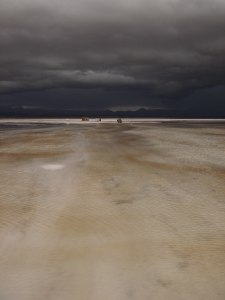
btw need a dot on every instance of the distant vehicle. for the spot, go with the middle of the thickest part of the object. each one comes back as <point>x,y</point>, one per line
<point>84,119</point>
<point>119,120</point>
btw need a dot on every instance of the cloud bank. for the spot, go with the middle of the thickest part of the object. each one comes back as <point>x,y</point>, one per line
<point>168,48</point>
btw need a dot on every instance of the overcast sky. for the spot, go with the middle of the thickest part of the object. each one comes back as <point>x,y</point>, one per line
<point>97,54</point>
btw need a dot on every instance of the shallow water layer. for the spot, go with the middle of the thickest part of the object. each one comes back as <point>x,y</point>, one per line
<point>112,211</point>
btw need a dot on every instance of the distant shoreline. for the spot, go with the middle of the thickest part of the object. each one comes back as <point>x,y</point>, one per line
<point>105,120</point>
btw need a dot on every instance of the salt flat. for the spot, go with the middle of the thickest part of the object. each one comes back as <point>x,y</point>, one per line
<point>112,211</point>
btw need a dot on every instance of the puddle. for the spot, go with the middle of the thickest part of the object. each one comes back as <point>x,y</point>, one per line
<point>52,167</point>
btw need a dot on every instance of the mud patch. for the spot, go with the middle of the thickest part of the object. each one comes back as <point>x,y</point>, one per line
<point>123,201</point>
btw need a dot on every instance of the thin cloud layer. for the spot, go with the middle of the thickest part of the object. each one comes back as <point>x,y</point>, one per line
<point>169,48</point>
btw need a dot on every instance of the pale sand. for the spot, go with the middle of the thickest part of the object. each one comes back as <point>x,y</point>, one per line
<point>110,211</point>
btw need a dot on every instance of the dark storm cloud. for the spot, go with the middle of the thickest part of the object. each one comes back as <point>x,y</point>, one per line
<point>166,48</point>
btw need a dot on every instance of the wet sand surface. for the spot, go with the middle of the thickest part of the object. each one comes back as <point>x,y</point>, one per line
<point>112,211</point>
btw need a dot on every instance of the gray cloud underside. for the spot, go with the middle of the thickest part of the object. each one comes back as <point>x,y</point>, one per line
<point>169,47</point>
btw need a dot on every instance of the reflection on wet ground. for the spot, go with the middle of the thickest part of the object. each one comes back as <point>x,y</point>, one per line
<point>112,211</point>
